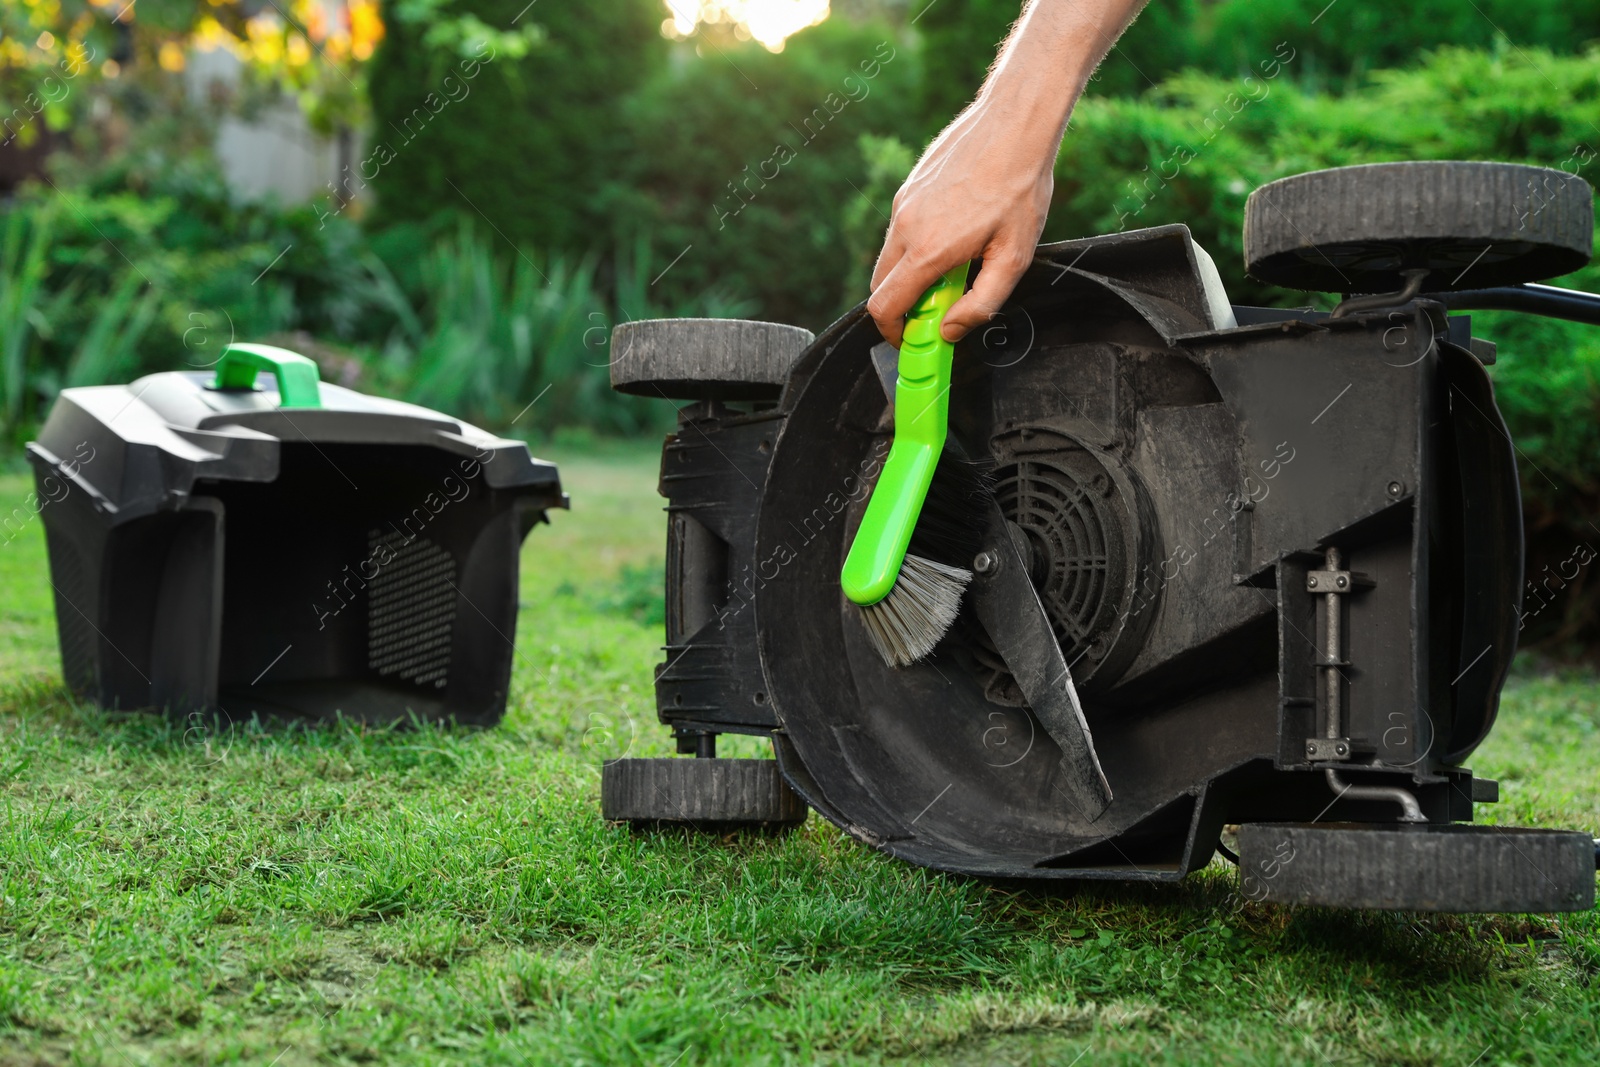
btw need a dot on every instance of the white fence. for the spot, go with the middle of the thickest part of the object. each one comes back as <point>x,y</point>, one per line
<point>275,153</point>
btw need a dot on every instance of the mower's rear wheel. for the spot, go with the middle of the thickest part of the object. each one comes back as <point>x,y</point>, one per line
<point>705,359</point>
<point>1470,225</point>
<point>713,794</point>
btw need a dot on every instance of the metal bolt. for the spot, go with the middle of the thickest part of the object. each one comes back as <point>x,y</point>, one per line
<point>1395,489</point>
<point>1312,583</point>
<point>1341,750</point>
<point>983,563</point>
<point>1341,581</point>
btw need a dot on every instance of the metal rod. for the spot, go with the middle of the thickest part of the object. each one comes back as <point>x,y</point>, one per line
<point>1551,301</point>
<point>1411,811</point>
<point>1331,676</point>
<point>1413,286</point>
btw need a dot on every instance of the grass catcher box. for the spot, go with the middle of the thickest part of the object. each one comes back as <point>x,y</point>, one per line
<point>283,548</point>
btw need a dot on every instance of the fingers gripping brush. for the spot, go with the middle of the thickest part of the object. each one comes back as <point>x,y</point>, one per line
<point>908,599</point>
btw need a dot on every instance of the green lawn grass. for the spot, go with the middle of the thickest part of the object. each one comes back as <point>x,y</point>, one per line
<point>171,893</point>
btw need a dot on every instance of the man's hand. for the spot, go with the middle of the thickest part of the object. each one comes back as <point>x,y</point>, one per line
<point>979,191</point>
<point>983,187</point>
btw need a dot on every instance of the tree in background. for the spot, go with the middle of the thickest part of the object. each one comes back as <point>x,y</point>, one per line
<point>46,52</point>
<point>743,161</point>
<point>509,112</point>
<point>53,51</point>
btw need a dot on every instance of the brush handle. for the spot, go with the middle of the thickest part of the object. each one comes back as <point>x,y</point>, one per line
<point>921,414</point>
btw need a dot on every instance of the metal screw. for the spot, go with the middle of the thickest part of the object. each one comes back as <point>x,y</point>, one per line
<point>1395,489</point>
<point>1312,583</point>
<point>983,563</point>
<point>1341,581</point>
<point>1341,750</point>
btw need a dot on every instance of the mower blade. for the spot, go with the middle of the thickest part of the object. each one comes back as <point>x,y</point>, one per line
<point>1009,609</point>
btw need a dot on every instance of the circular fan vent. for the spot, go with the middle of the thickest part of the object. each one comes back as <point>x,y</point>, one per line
<point>1064,505</point>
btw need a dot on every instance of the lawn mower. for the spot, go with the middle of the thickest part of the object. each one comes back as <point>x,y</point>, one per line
<point>1258,567</point>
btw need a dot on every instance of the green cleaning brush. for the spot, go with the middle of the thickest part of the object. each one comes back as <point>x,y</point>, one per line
<point>909,601</point>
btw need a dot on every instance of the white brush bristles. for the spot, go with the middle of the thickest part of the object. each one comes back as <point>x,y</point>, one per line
<point>919,610</point>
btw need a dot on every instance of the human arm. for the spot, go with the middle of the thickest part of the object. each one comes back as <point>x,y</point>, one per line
<point>983,187</point>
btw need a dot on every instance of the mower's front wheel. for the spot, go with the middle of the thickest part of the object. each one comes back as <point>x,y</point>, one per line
<point>705,359</point>
<point>712,794</point>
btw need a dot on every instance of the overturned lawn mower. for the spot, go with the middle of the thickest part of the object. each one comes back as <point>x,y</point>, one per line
<point>1264,566</point>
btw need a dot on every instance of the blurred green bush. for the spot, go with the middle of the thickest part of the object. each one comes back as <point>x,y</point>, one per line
<point>743,163</point>
<point>102,285</point>
<point>105,288</point>
<point>526,132</point>
<point>731,161</point>
<point>523,341</point>
<point>1341,42</point>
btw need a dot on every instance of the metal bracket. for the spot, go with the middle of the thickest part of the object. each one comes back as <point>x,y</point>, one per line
<point>1327,748</point>
<point>1335,582</point>
<point>1327,581</point>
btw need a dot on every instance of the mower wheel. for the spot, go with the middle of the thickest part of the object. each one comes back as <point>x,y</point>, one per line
<point>1470,225</point>
<point>714,794</point>
<point>1400,867</point>
<point>705,359</point>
